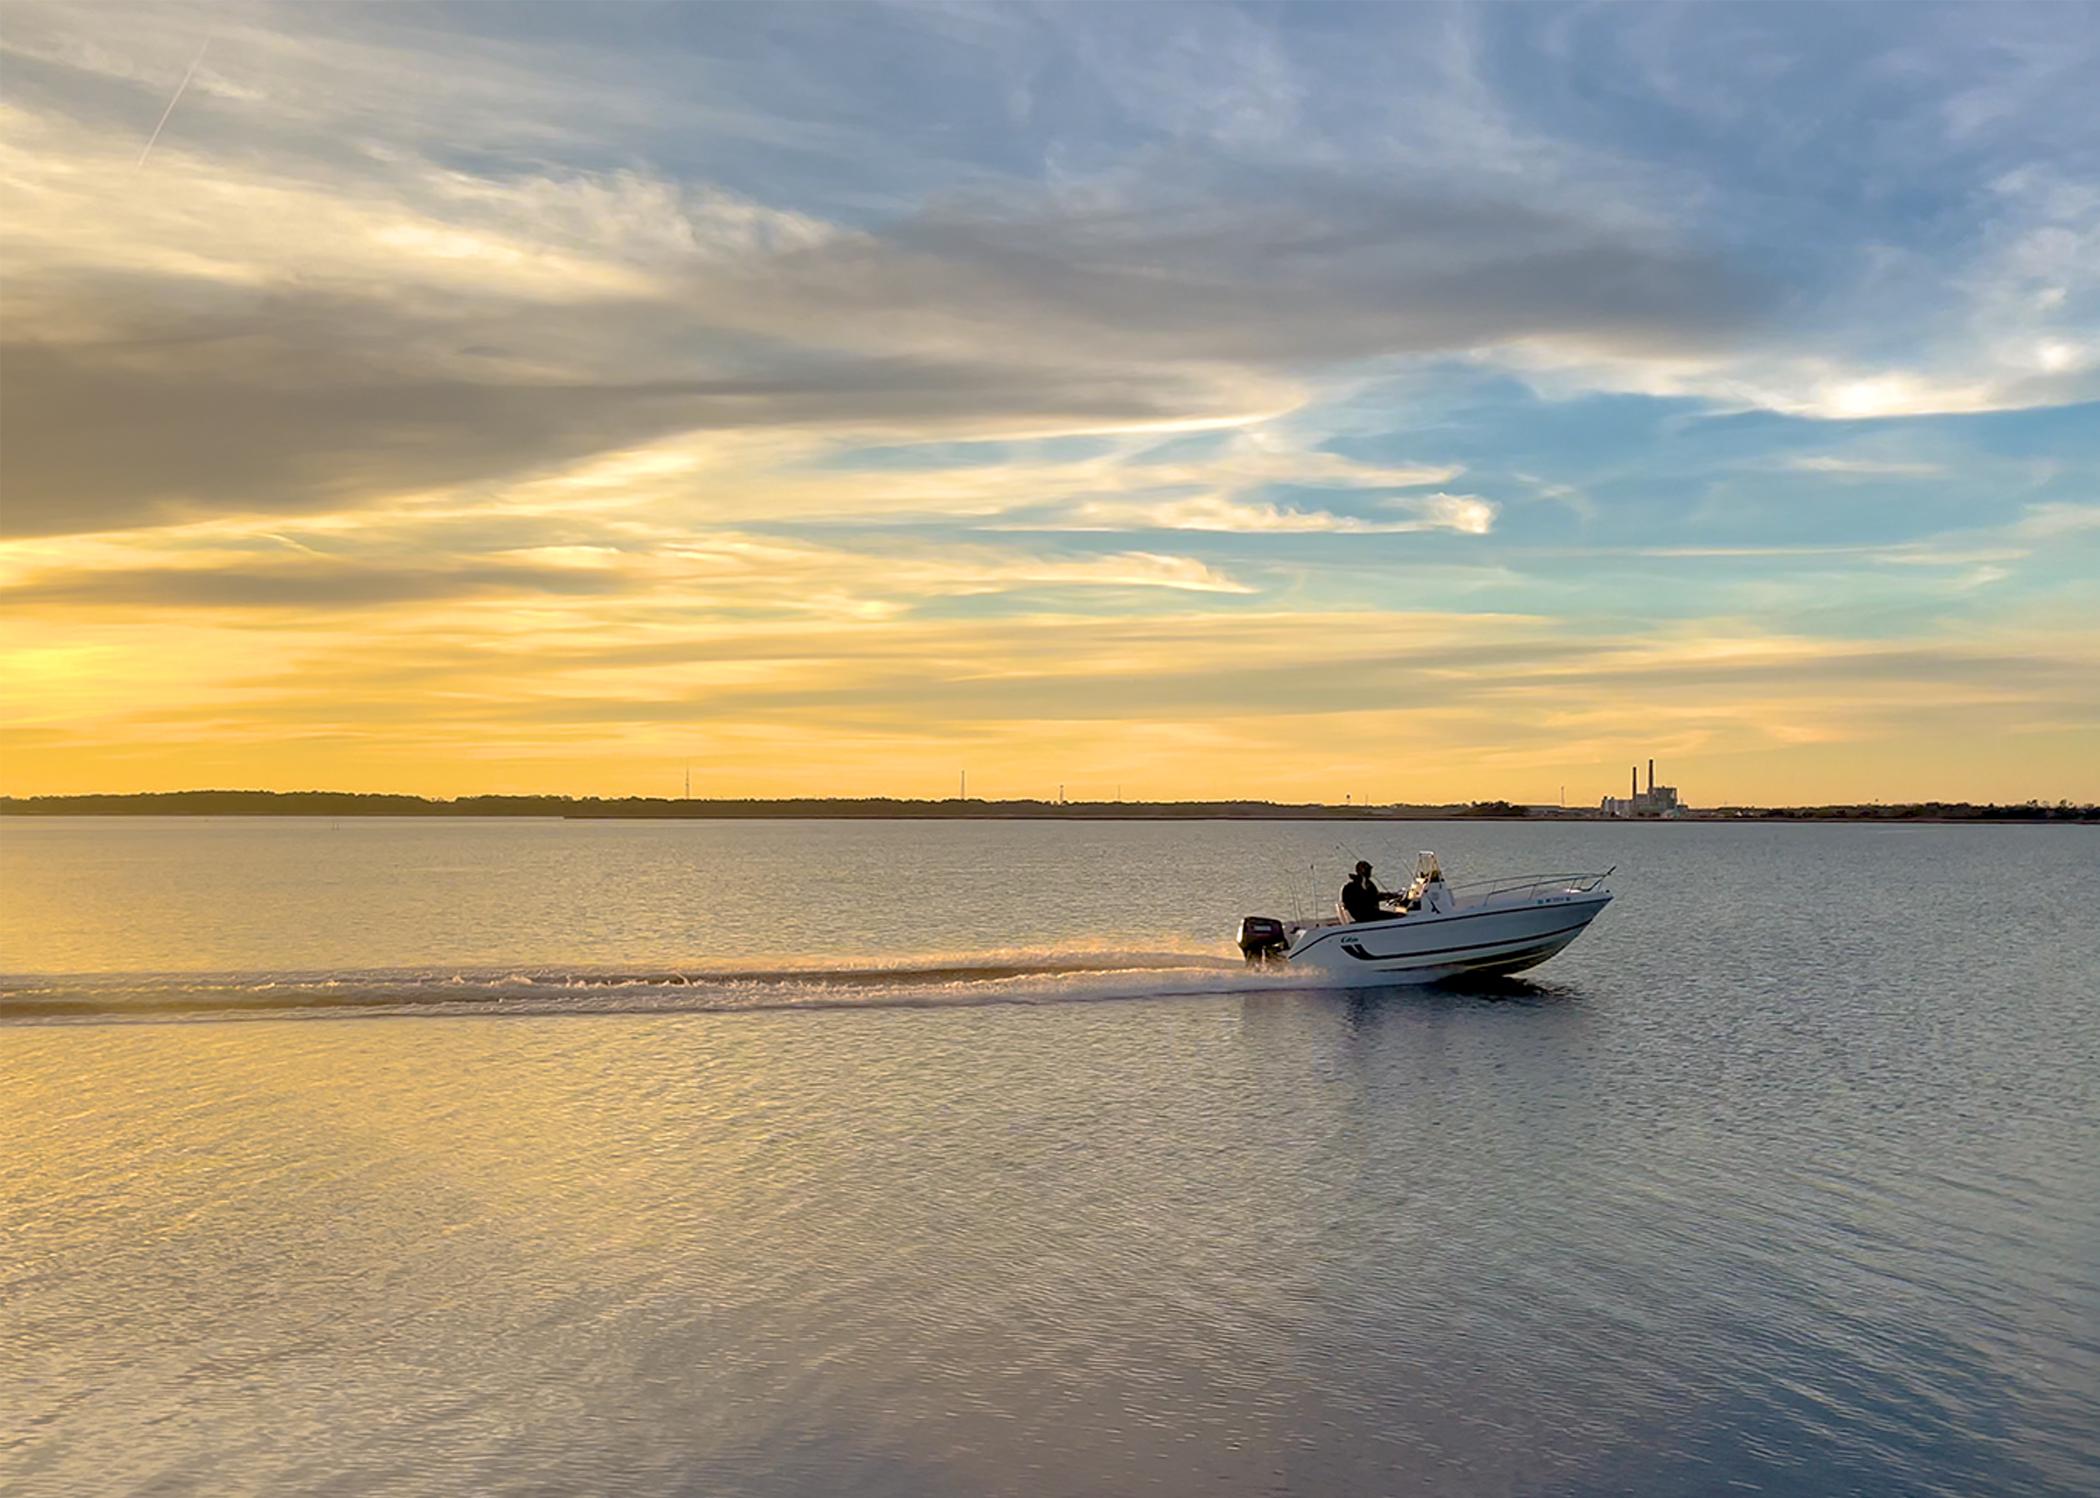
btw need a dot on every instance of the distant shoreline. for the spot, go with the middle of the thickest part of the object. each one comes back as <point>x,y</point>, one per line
<point>640,808</point>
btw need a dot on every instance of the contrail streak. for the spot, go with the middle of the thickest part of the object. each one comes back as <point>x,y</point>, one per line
<point>177,99</point>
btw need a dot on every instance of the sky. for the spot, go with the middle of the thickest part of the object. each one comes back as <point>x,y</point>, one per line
<point>1293,402</point>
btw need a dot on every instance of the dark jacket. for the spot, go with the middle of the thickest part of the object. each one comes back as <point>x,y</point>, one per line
<point>1360,898</point>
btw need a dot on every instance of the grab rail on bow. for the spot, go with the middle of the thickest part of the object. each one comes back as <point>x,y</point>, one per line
<point>1483,889</point>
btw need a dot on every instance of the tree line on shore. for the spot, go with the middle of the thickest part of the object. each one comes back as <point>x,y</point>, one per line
<point>376,804</point>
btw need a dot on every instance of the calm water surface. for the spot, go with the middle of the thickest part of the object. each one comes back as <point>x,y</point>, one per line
<point>720,1158</point>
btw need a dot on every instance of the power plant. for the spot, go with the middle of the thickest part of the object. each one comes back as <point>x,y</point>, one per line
<point>1656,801</point>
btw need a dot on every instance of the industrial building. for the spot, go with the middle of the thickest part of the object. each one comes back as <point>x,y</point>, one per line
<point>1656,801</point>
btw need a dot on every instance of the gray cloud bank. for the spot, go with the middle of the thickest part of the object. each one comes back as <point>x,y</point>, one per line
<point>114,434</point>
<point>304,587</point>
<point>1268,269</point>
<point>209,352</point>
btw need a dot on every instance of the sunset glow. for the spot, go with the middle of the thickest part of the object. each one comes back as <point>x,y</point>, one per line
<point>1165,403</point>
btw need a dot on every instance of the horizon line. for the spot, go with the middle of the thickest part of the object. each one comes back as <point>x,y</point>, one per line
<point>10,800</point>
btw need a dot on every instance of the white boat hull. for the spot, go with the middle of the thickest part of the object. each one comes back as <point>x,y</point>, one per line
<point>1423,947</point>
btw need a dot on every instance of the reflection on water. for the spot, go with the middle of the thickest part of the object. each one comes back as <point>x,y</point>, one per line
<point>1786,1194</point>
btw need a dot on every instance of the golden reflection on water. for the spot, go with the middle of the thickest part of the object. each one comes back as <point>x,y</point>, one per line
<point>473,1120</point>
<point>1664,1222</point>
<point>382,1205</point>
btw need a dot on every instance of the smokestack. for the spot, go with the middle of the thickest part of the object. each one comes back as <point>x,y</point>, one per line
<point>1651,777</point>
<point>1636,781</point>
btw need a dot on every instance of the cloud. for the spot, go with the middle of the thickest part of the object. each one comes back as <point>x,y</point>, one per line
<point>272,333</point>
<point>307,588</point>
<point>2008,320</point>
<point>1130,483</point>
<point>2054,521</point>
<point>287,416</point>
<point>718,575</point>
<point>1862,467</point>
<point>1816,386</point>
<point>1263,269</point>
<point>1466,514</point>
<point>289,420</point>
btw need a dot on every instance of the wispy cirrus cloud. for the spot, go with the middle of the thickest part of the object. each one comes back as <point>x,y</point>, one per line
<point>1868,468</point>
<point>1466,514</point>
<point>718,574</point>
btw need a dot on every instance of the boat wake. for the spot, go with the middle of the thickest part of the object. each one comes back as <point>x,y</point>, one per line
<point>921,982</point>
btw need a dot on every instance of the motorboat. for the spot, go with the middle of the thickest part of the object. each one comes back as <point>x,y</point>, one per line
<point>1438,930</point>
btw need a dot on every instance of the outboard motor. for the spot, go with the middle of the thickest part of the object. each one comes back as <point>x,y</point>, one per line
<point>1262,940</point>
